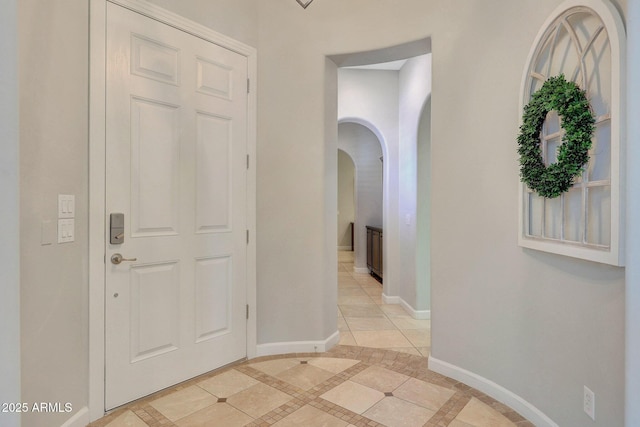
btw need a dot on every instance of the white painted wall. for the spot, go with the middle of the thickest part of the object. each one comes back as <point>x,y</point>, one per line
<point>364,148</point>
<point>414,89</point>
<point>9,215</point>
<point>346,198</point>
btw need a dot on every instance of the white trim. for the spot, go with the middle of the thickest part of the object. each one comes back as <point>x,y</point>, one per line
<point>416,314</point>
<point>97,126</point>
<point>361,270</point>
<point>97,78</point>
<point>617,39</point>
<point>287,347</point>
<point>79,419</point>
<point>496,391</point>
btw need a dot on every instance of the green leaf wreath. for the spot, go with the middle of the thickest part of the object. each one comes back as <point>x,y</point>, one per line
<point>572,106</point>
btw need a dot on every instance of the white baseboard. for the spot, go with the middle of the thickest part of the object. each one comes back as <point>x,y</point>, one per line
<point>416,314</point>
<point>361,270</point>
<point>79,419</point>
<point>390,300</point>
<point>271,349</point>
<point>496,391</point>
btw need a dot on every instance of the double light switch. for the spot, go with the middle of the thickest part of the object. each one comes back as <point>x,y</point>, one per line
<point>66,218</point>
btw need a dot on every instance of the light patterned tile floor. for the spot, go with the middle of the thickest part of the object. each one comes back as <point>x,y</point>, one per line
<point>387,384</point>
<point>364,320</point>
<point>345,387</point>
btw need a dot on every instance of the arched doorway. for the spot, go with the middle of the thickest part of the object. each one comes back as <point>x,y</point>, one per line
<point>346,201</point>
<point>362,146</point>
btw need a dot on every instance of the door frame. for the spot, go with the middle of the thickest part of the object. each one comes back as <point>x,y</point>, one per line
<point>97,178</point>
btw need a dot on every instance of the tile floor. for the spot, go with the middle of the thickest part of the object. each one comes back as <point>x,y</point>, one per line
<point>364,320</point>
<point>377,377</point>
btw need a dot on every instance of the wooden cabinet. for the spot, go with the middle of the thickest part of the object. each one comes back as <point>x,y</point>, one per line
<point>374,251</point>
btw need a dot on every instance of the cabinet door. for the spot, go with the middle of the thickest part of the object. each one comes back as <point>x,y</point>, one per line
<point>375,252</point>
<point>381,257</point>
<point>369,248</point>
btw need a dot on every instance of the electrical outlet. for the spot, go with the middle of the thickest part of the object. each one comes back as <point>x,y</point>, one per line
<point>589,403</point>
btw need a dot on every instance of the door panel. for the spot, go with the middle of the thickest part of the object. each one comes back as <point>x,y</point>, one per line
<point>155,168</point>
<point>176,168</point>
<point>213,294</point>
<point>213,192</point>
<point>153,327</point>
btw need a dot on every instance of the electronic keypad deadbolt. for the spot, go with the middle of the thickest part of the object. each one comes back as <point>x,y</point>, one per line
<point>117,229</point>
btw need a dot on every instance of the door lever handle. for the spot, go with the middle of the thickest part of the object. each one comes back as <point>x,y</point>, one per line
<point>118,258</point>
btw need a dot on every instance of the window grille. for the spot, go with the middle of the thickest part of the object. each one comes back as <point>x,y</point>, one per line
<point>582,40</point>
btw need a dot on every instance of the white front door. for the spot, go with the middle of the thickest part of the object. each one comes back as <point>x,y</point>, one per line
<point>176,146</point>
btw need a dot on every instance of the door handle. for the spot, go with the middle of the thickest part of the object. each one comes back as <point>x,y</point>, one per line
<point>118,258</point>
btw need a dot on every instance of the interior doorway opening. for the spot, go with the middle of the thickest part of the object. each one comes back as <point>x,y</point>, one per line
<point>389,100</point>
<point>346,201</point>
<point>391,103</point>
<point>360,145</point>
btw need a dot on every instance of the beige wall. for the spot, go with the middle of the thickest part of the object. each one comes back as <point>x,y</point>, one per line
<point>540,325</point>
<point>365,150</point>
<point>415,88</point>
<point>233,18</point>
<point>423,208</point>
<point>9,214</point>
<point>53,61</point>
<point>346,198</point>
<point>53,92</point>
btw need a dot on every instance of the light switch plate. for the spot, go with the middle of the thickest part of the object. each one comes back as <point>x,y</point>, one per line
<point>66,206</point>
<point>66,230</point>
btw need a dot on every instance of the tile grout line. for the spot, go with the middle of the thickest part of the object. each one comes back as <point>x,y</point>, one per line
<point>402,363</point>
<point>312,397</point>
<point>385,315</point>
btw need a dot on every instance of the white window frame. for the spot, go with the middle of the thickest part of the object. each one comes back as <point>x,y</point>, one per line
<point>614,253</point>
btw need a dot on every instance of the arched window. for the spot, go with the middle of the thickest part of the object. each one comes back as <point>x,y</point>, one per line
<point>584,40</point>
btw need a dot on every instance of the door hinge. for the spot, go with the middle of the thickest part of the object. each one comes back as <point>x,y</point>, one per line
<point>247,311</point>
<point>247,237</point>
<point>248,86</point>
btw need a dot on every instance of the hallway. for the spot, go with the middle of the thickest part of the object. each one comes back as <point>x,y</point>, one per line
<point>376,377</point>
